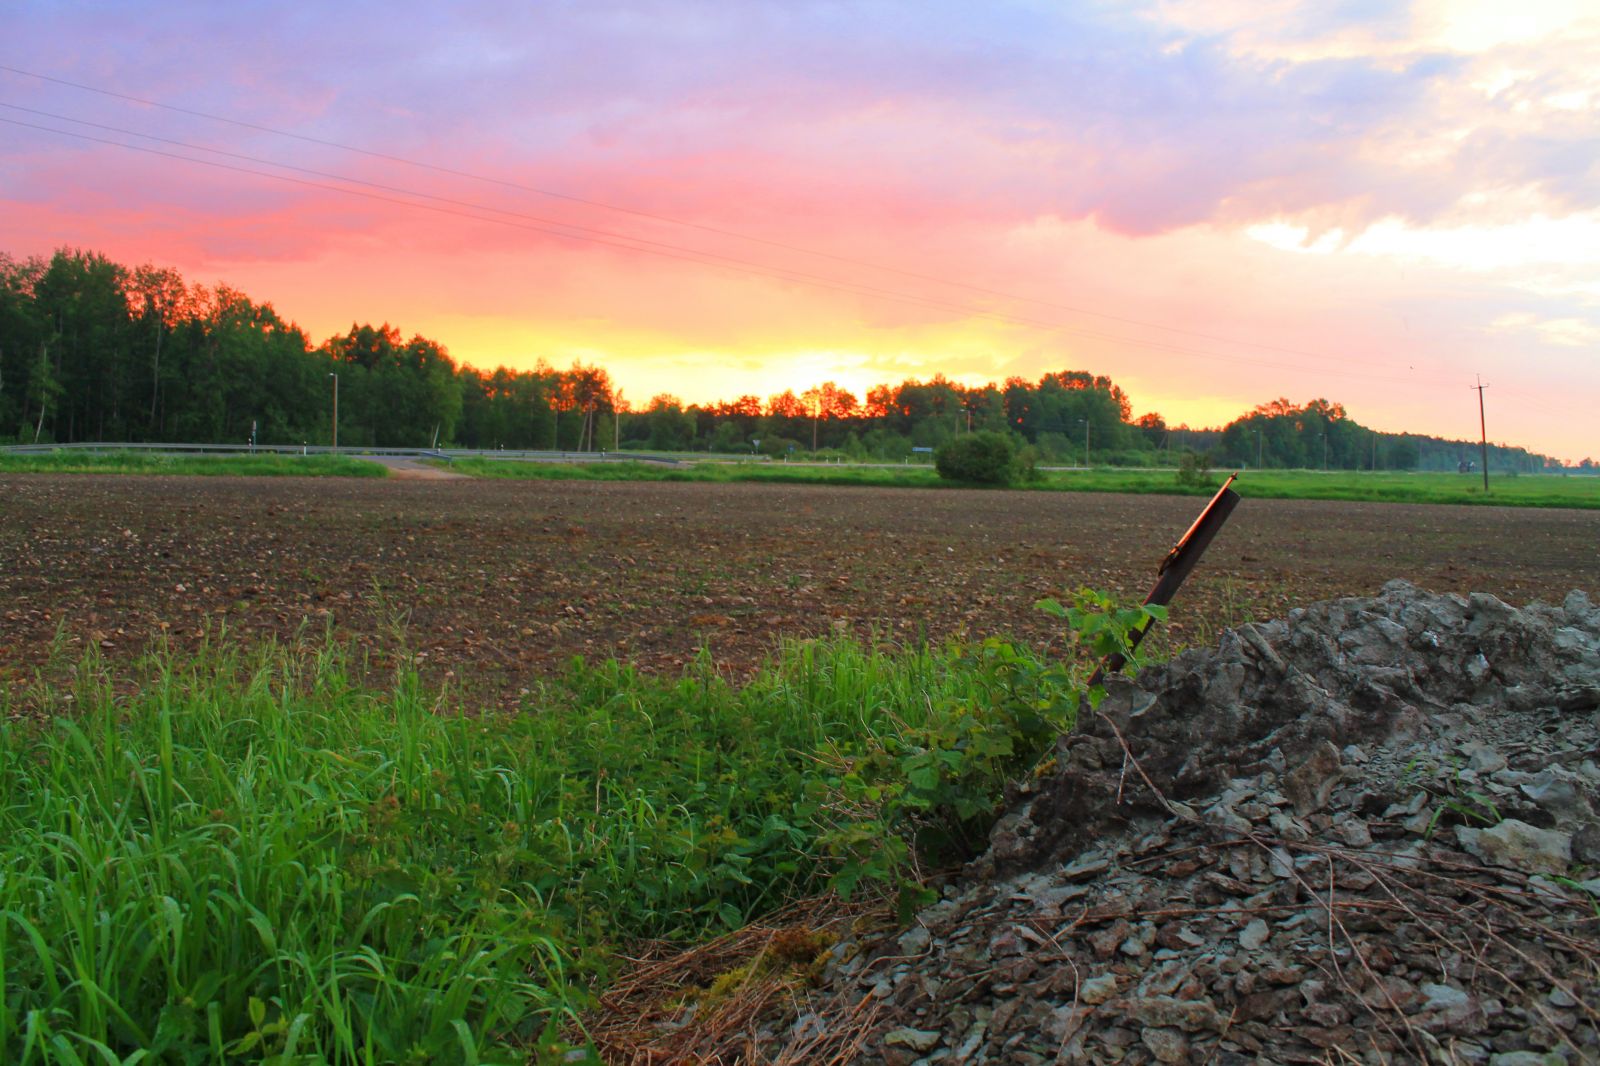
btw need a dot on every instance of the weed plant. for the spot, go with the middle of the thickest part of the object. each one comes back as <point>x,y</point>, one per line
<point>247,856</point>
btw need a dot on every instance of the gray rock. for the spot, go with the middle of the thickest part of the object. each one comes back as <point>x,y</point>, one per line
<point>972,1042</point>
<point>1353,831</point>
<point>1254,935</point>
<point>1443,997</point>
<point>1190,1015</point>
<point>1223,816</point>
<point>1183,810</point>
<point>1167,1045</point>
<point>1085,868</point>
<point>920,1040</point>
<point>1310,784</point>
<point>1586,843</point>
<point>1527,1058</point>
<point>1557,795</point>
<point>1408,808</point>
<point>915,941</point>
<point>1097,989</point>
<point>1519,846</point>
<point>1289,828</point>
<point>1063,1022</point>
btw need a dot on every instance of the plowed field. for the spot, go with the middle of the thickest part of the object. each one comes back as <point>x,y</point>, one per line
<point>496,583</point>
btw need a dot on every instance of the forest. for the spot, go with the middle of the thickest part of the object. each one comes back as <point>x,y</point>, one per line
<point>92,350</point>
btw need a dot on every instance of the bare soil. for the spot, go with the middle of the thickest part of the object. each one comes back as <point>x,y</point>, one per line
<point>497,583</point>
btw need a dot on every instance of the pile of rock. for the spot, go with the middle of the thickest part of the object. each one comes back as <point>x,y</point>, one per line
<point>1364,833</point>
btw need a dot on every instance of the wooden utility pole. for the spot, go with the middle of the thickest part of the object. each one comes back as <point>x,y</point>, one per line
<point>335,378</point>
<point>1483,433</point>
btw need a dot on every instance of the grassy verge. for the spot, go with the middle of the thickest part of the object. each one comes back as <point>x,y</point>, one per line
<point>251,856</point>
<point>261,465</point>
<point>772,473</point>
<point>1386,487</point>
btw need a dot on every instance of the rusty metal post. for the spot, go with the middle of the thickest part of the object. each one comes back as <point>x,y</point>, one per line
<point>1176,567</point>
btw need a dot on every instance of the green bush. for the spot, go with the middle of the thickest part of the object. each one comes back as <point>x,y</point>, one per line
<point>1194,470</point>
<point>984,458</point>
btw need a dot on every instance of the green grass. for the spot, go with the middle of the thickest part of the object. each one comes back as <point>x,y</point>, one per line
<point>1527,490</point>
<point>139,462</point>
<point>249,855</point>
<point>1387,487</point>
<point>767,472</point>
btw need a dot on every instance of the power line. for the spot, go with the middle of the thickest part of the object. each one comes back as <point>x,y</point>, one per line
<point>657,217</point>
<point>556,229</point>
<point>573,231</point>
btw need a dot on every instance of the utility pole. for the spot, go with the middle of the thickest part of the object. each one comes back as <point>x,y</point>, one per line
<point>335,378</point>
<point>1483,433</point>
<point>1259,450</point>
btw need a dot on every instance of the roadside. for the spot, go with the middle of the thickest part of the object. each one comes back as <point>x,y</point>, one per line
<point>405,468</point>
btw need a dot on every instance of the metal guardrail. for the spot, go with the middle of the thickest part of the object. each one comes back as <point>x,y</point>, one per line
<point>219,449</point>
<point>447,454</point>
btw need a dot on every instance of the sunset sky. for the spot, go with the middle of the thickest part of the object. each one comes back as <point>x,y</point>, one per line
<point>1215,202</point>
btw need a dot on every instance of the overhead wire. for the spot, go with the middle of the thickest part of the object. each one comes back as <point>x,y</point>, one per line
<point>659,217</point>
<point>574,231</point>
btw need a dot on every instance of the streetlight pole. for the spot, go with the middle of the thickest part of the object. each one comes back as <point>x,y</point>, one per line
<point>335,378</point>
<point>1088,428</point>
<point>1260,451</point>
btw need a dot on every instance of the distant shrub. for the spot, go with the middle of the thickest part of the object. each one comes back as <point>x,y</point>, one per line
<point>1194,470</point>
<point>984,458</point>
<point>778,447</point>
<point>1025,467</point>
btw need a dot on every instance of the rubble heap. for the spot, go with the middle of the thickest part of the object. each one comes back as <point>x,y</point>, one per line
<point>1367,832</point>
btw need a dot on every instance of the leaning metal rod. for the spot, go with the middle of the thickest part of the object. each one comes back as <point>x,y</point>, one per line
<point>1176,566</point>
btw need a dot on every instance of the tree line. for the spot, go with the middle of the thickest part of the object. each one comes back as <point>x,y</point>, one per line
<point>91,350</point>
